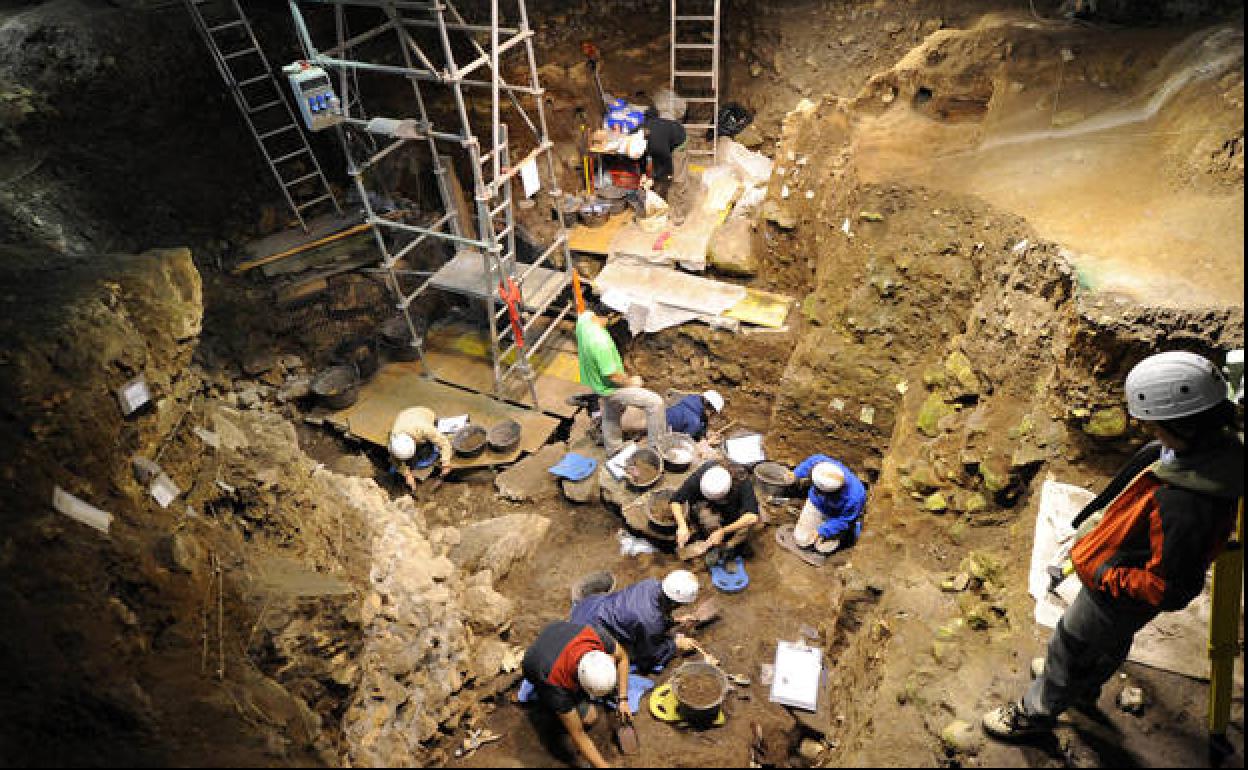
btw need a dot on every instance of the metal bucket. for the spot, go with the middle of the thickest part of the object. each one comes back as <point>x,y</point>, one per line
<point>774,480</point>
<point>337,387</point>
<point>699,688</point>
<point>504,436</point>
<point>659,516</point>
<point>469,441</point>
<point>396,338</point>
<point>678,452</point>
<point>593,583</point>
<point>361,353</point>
<point>644,469</point>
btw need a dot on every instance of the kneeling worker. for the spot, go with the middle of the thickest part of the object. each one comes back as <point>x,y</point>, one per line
<point>415,440</point>
<point>571,663</point>
<point>832,516</point>
<point>640,617</point>
<point>723,508</point>
<point>692,414</point>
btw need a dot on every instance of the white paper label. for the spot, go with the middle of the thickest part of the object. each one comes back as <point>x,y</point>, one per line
<point>529,177</point>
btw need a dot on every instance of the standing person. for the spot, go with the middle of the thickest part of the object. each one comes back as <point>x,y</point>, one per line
<point>571,663</point>
<point>640,617</point>
<point>665,146</point>
<point>692,414</point>
<point>723,508</point>
<point>832,516</point>
<point>1144,544</point>
<point>415,440</point>
<point>602,370</point>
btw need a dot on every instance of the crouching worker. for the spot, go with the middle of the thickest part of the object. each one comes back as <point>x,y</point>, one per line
<point>692,414</point>
<point>602,370</point>
<point>417,449</point>
<point>572,664</point>
<point>722,508</point>
<point>1144,544</point>
<point>640,617</point>
<point>831,519</point>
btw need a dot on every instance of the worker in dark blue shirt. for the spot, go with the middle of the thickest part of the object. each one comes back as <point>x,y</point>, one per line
<point>691,414</point>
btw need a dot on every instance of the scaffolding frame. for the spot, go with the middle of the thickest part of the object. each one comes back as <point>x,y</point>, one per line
<point>493,172</point>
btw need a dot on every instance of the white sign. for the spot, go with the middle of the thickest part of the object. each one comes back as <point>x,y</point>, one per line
<point>745,450</point>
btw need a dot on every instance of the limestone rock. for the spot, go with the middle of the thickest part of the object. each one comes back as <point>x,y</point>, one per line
<point>751,137</point>
<point>934,410</point>
<point>486,609</point>
<point>778,214</point>
<point>996,475</point>
<point>529,479</point>
<point>497,544</point>
<point>1107,423</point>
<point>731,249</point>
<point>975,503</point>
<point>959,736</point>
<point>935,503</point>
<point>959,367</point>
<point>1132,700</point>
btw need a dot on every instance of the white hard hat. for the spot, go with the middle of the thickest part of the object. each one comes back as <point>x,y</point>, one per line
<point>716,482</point>
<point>681,586</point>
<point>596,673</point>
<point>1167,386</point>
<point>402,446</point>
<point>716,400</point>
<point>828,477</point>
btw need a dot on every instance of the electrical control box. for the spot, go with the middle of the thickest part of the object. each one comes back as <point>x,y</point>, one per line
<point>314,95</point>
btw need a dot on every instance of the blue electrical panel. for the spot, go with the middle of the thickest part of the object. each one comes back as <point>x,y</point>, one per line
<point>314,96</point>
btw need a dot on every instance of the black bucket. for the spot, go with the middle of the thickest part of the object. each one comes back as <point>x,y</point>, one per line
<point>337,387</point>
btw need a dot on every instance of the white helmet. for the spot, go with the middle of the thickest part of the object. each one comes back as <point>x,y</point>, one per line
<point>716,482</point>
<point>1167,386</point>
<point>402,446</point>
<point>716,400</point>
<point>828,477</point>
<point>596,673</point>
<point>681,586</point>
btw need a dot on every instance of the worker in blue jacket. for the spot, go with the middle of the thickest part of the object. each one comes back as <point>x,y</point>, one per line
<point>832,516</point>
<point>692,414</point>
<point>640,617</point>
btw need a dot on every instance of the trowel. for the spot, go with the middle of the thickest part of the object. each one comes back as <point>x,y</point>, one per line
<point>626,738</point>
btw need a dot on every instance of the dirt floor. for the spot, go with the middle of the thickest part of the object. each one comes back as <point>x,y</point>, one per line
<point>1032,205</point>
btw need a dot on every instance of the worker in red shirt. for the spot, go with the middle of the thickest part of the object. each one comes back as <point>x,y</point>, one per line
<point>1145,544</point>
<point>572,664</point>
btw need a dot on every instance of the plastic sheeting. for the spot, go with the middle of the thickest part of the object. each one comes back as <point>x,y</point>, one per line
<point>654,298</point>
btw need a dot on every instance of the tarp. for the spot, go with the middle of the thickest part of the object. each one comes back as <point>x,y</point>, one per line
<point>654,297</point>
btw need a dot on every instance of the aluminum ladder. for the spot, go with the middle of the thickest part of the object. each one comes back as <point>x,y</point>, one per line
<point>695,39</point>
<point>262,101</point>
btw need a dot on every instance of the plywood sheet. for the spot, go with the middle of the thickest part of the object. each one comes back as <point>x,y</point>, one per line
<point>459,354</point>
<point>294,240</point>
<point>597,240</point>
<point>398,386</point>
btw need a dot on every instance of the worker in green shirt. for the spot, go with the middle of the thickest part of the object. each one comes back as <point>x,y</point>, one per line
<point>602,370</point>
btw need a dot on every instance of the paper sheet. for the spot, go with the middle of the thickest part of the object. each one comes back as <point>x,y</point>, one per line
<point>616,464</point>
<point>529,177</point>
<point>452,424</point>
<point>745,450</point>
<point>797,675</point>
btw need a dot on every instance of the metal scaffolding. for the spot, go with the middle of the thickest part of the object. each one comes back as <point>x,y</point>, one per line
<point>431,37</point>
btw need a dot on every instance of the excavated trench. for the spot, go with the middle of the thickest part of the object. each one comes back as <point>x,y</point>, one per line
<point>294,607</point>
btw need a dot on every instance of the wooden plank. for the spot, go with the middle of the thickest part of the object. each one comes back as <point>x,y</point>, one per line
<point>597,240</point>
<point>293,241</point>
<point>397,386</point>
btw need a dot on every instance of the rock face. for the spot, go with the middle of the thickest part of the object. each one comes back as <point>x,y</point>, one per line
<point>497,544</point>
<point>732,249</point>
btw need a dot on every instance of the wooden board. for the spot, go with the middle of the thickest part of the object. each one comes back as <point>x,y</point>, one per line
<point>597,240</point>
<point>322,230</point>
<point>397,386</point>
<point>762,308</point>
<point>460,354</point>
